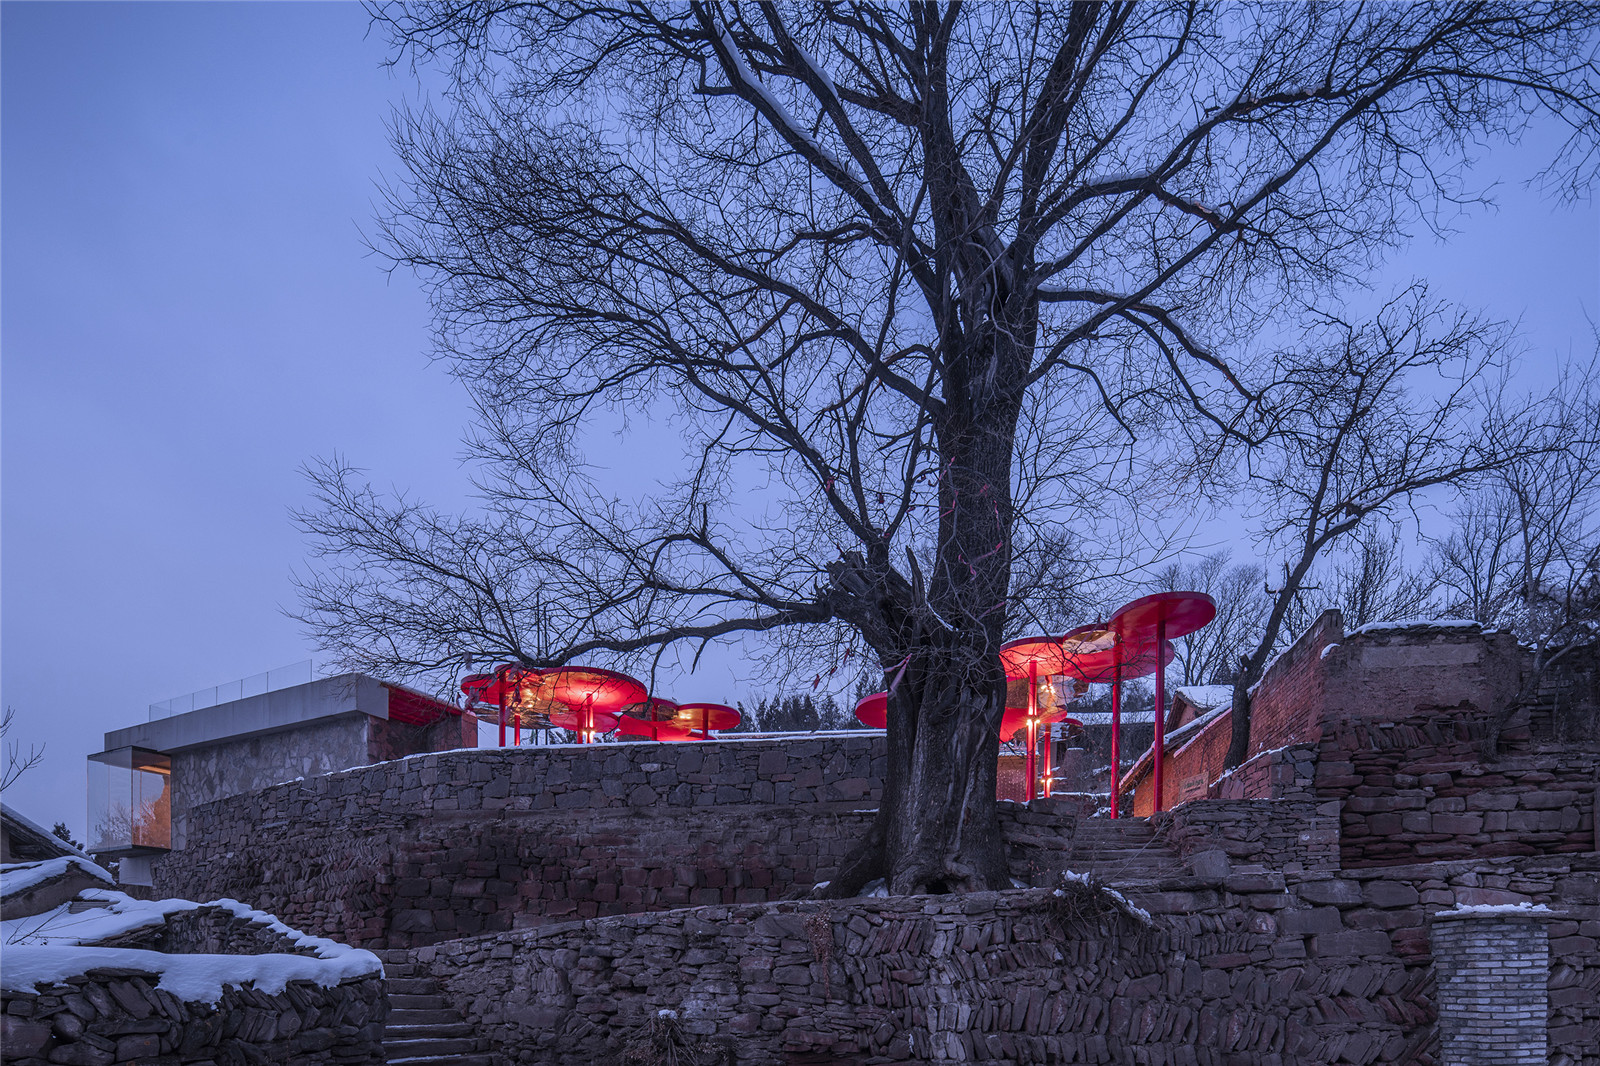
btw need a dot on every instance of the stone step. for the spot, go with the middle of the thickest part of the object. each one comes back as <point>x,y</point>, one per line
<point>444,1060</point>
<point>413,986</point>
<point>407,1001</point>
<point>421,1030</point>
<point>428,1047</point>
<point>407,1016</point>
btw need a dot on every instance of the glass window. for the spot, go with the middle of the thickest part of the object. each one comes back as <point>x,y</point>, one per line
<point>130,803</point>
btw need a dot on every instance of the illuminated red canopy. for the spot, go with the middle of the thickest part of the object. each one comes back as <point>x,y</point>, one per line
<point>1045,655</point>
<point>654,718</point>
<point>637,727</point>
<point>704,717</point>
<point>873,711</point>
<point>1182,613</point>
<point>1016,718</point>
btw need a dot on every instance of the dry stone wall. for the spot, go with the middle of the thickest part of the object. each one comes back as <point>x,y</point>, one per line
<point>458,843</point>
<point>1247,967</point>
<point>1418,788</point>
<point>120,1016</point>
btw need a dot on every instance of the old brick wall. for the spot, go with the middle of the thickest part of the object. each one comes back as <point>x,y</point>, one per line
<point>1248,967</point>
<point>456,843</point>
<point>1288,703</point>
<point>1492,973</point>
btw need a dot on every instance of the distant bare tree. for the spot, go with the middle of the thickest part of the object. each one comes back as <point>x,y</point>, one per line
<point>17,763</point>
<point>1525,551</point>
<point>1387,409</point>
<point>1373,584</point>
<point>1210,656</point>
<point>915,283</point>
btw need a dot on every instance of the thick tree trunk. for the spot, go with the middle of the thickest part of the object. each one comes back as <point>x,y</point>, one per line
<point>937,829</point>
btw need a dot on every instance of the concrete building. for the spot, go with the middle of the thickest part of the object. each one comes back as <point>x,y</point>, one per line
<point>150,775</point>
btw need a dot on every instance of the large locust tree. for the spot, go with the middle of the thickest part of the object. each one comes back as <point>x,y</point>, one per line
<point>921,288</point>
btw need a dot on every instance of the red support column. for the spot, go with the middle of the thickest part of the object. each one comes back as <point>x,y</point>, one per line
<point>1161,710</point>
<point>1116,726</point>
<point>501,677</point>
<point>1033,723</point>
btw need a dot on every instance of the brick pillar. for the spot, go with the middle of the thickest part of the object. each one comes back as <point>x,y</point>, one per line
<point>1493,972</point>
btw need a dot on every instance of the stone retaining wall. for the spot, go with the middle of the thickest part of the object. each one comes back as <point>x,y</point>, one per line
<point>1418,788</point>
<point>116,1016</point>
<point>1245,968</point>
<point>459,843</point>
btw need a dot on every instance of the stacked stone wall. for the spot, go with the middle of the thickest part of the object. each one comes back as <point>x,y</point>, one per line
<point>1418,789</point>
<point>464,842</point>
<point>120,1016</point>
<point>1243,967</point>
<point>1283,773</point>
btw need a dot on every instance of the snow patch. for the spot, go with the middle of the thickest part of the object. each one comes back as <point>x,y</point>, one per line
<point>50,947</point>
<point>22,876</point>
<point>1326,650</point>
<point>1495,908</point>
<point>1416,623</point>
<point>191,978</point>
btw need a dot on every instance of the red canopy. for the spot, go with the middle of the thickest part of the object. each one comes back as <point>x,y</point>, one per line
<point>636,727</point>
<point>1182,613</point>
<point>1045,654</point>
<point>873,711</point>
<point>704,717</point>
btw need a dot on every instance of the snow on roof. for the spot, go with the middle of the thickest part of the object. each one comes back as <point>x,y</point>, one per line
<point>50,947</point>
<point>13,814</point>
<point>1415,623</point>
<point>1195,725</point>
<point>19,877</point>
<point>1206,697</point>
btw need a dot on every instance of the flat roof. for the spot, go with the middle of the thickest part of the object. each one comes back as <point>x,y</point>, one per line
<point>267,712</point>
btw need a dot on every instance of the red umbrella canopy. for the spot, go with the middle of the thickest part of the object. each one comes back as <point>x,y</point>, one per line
<point>1138,660</point>
<point>873,711</point>
<point>577,688</point>
<point>581,720</point>
<point>654,709</point>
<point>1090,650</point>
<point>655,730</point>
<point>1183,613</point>
<point>1046,654</point>
<point>515,680</point>
<point>706,716</point>
<point>1016,718</point>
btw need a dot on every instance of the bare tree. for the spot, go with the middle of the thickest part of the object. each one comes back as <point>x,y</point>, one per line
<point>914,283</point>
<point>1388,409</point>
<point>1373,583</point>
<point>17,763</point>
<point>1210,656</point>
<point>1525,551</point>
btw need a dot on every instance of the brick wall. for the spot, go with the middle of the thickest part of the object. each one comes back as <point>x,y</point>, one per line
<point>1493,973</point>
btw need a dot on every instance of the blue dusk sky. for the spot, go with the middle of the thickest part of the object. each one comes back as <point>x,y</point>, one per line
<point>188,314</point>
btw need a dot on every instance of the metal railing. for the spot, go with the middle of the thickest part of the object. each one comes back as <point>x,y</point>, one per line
<point>298,673</point>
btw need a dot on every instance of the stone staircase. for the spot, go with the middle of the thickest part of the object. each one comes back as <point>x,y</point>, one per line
<point>423,1028</point>
<point>1122,851</point>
